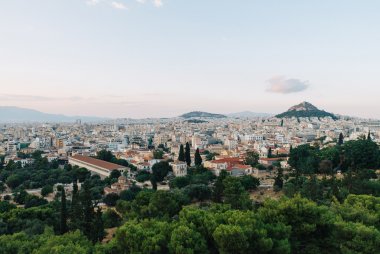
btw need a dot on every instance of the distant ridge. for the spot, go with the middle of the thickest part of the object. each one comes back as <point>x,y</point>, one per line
<point>248,114</point>
<point>305,109</point>
<point>9,114</point>
<point>200,114</point>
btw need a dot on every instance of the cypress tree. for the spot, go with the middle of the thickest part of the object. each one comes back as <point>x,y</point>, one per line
<point>270,152</point>
<point>63,223</point>
<point>218,189</point>
<point>187,154</point>
<point>279,180</point>
<point>97,227</point>
<point>197,158</point>
<point>76,212</point>
<point>341,139</point>
<point>369,136</point>
<point>181,156</point>
<point>88,209</point>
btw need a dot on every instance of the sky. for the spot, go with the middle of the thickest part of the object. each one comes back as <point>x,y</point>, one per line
<point>162,58</point>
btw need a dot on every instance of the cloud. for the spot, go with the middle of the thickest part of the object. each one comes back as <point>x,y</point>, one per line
<point>118,5</point>
<point>141,1</point>
<point>158,3</point>
<point>282,85</point>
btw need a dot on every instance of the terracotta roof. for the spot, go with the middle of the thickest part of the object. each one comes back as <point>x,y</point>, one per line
<point>103,164</point>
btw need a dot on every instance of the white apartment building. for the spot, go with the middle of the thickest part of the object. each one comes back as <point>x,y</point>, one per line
<point>179,168</point>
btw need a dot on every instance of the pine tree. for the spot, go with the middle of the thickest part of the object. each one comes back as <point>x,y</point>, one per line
<point>282,122</point>
<point>187,154</point>
<point>197,158</point>
<point>369,136</point>
<point>181,156</point>
<point>63,223</point>
<point>341,139</point>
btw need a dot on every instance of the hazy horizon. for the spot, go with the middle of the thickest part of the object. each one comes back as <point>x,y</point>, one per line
<point>161,58</point>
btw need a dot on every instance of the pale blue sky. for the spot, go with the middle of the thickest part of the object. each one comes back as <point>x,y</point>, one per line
<point>129,58</point>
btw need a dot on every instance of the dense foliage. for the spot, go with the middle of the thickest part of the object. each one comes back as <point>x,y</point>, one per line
<point>321,212</point>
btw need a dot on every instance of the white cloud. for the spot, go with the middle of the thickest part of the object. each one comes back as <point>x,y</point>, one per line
<point>282,85</point>
<point>141,1</point>
<point>118,5</point>
<point>158,3</point>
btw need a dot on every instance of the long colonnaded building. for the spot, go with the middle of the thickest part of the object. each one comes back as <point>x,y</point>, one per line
<point>99,167</point>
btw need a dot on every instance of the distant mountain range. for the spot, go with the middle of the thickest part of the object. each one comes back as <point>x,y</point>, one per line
<point>305,109</point>
<point>22,115</point>
<point>248,114</point>
<point>200,114</point>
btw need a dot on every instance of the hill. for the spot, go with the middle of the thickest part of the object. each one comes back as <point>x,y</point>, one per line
<point>199,114</point>
<point>305,109</point>
<point>21,115</point>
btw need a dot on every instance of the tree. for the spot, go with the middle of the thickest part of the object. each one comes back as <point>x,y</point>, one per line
<point>279,180</point>
<point>187,154</point>
<point>181,156</point>
<point>304,160</point>
<point>143,176</point>
<point>199,192</point>
<point>20,197</point>
<point>249,182</point>
<point>341,139</point>
<point>160,170</point>
<point>115,174</point>
<point>73,242</point>
<point>5,206</point>
<point>217,193</point>
<point>111,199</point>
<point>361,154</point>
<point>230,239</point>
<point>14,181</point>
<point>63,213</point>
<point>97,232</point>
<point>179,182</point>
<point>270,152</point>
<point>148,236</point>
<point>158,154</point>
<point>105,155</point>
<point>88,209</point>
<point>76,213</point>
<point>326,167</point>
<point>46,190</point>
<point>129,195</point>
<point>166,203</point>
<point>185,240</point>
<point>352,237</point>
<point>197,158</point>
<point>235,194</point>
<point>252,159</point>
<point>111,219</point>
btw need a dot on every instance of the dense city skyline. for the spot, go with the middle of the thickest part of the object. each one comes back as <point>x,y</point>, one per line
<point>137,59</point>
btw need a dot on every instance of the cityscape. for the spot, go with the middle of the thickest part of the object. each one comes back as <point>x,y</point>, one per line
<point>213,127</point>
